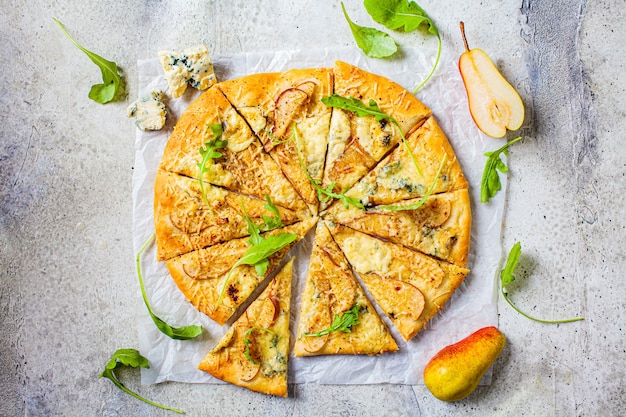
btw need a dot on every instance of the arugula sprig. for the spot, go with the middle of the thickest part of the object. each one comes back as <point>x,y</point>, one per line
<point>407,16</point>
<point>341,322</point>
<point>209,151</point>
<point>248,342</point>
<point>375,43</point>
<point>371,109</point>
<point>507,277</point>
<point>325,194</point>
<point>490,182</point>
<point>180,333</point>
<point>261,248</point>
<point>111,80</point>
<point>132,358</point>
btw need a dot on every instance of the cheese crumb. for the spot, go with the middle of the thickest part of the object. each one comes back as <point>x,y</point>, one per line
<point>193,66</point>
<point>149,111</point>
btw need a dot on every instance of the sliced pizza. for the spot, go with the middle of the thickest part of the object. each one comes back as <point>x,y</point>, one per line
<point>357,142</point>
<point>397,177</point>
<point>273,104</point>
<point>212,139</point>
<point>409,287</point>
<point>335,315</point>
<point>439,226</point>
<point>215,280</point>
<point>184,221</point>
<point>253,354</point>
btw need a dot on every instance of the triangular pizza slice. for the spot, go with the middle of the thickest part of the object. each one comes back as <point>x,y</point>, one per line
<point>409,287</point>
<point>213,139</point>
<point>357,142</point>
<point>272,104</point>
<point>397,178</point>
<point>184,221</point>
<point>439,226</point>
<point>335,315</point>
<point>253,354</point>
<point>210,280</point>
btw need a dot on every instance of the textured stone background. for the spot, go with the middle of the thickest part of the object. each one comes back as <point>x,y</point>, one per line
<point>67,281</point>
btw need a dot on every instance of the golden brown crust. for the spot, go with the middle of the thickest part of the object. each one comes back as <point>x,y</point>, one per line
<point>396,276</point>
<point>330,290</point>
<point>265,325</point>
<point>440,227</point>
<point>183,222</point>
<point>201,275</point>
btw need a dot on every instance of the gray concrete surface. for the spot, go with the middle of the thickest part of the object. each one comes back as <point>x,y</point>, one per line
<point>68,288</point>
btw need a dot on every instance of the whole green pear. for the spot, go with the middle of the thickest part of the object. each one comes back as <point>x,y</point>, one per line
<point>455,371</point>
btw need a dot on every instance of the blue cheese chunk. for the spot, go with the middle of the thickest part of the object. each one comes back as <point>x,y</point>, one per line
<point>191,67</point>
<point>149,111</point>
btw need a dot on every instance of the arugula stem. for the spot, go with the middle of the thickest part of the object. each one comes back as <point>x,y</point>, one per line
<point>432,71</point>
<point>506,297</point>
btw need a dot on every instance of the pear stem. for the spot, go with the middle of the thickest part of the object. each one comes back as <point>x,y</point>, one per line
<point>462,26</point>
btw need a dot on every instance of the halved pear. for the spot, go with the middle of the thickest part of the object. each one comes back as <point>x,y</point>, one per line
<point>494,104</point>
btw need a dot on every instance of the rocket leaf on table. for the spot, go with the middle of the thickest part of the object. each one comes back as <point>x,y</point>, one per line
<point>490,183</point>
<point>111,86</point>
<point>373,42</point>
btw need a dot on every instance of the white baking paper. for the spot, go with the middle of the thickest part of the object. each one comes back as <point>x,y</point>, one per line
<point>471,307</point>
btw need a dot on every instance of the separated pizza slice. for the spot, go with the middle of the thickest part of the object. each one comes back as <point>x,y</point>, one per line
<point>253,354</point>
<point>409,287</point>
<point>212,139</point>
<point>272,104</point>
<point>335,315</point>
<point>397,178</point>
<point>439,226</point>
<point>357,142</point>
<point>215,280</point>
<point>186,220</point>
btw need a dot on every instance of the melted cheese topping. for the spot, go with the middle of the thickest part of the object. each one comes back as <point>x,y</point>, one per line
<point>367,255</point>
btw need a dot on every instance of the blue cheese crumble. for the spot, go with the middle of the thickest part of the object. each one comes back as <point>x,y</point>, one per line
<point>149,111</point>
<point>192,67</point>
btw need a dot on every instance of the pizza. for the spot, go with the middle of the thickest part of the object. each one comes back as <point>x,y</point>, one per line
<point>257,162</point>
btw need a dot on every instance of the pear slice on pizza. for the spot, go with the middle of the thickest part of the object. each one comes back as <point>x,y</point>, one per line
<point>397,178</point>
<point>215,280</point>
<point>408,286</point>
<point>184,221</point>
<point>212,139</point>
<point>273,104</point>
<point>335,315</point>
<point>357,142</point>
<point>253,354</point>
<point>439,226</point>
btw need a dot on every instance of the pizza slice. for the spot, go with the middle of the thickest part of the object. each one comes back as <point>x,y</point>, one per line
<point>397,178</point>
<point>215,281</point>
<point>253,354</point>
<point>335,315</point>
<point>272,104</point>
<point>409,287</point>
<point>439,226</point>
<point>184,221</point>
<point>212,139</point>
<point>357,142</point>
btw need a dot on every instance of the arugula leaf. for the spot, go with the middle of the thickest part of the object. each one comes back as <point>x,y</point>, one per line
<point>181,333</point>
<point>361,109</point>
<point>422,200</point>
<point>325,194</point>
<point>507,277</point>
<point>490,182</point>
<point>132,358</point>
<point>208,152</point>
<point>404,15</point>
<point>373,42</point>
<point>257,256</point>
<point>111,86</point>
<point>275,221</point>
<point>341,323</point>
<point>247,342</point>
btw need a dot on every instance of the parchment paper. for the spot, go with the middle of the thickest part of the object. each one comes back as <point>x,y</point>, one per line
<point>471,307</point>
